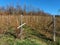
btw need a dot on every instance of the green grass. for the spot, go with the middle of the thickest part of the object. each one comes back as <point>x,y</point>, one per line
<point>11,41</point>
<point>32,37</point>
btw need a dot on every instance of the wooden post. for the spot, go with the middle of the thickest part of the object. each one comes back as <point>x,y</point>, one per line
<point>54,30</point>
<point>21,30</point>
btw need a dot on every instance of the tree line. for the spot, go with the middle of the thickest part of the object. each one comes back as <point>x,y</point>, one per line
<point>11,10</point>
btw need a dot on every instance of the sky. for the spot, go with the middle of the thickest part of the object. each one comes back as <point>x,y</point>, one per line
<point>48,6</point>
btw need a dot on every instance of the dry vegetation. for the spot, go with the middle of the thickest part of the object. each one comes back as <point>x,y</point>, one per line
<point>39,22</point>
